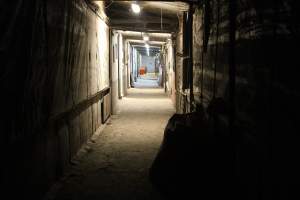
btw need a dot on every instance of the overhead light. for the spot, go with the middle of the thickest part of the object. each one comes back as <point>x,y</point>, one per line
<point>145,37</point>
<point>135,8</point>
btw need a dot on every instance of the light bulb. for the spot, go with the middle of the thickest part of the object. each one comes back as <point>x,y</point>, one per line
<point>135,8</point>
<point>146,38</point>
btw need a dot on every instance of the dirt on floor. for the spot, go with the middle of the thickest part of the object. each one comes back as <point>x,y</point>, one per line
<point>116,163</point>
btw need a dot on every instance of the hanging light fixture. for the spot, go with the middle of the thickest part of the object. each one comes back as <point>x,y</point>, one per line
<point>135,8</point>
<point>146,37</point>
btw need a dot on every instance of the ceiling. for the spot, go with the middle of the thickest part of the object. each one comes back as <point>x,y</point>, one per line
<point>155,16</point>
<point>156,40</point>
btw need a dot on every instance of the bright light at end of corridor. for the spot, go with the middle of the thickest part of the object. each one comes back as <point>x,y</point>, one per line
<point>135,8</point>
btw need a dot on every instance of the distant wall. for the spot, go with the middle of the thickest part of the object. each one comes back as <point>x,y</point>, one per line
<point>149,62</point>
<point>54,75</point>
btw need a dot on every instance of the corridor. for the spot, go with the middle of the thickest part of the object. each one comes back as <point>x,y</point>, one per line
<point>115,164</point>
<point>92,89</point>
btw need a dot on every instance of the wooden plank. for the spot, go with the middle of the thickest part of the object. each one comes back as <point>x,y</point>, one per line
<point>61,119</point>
<point>106,108</point>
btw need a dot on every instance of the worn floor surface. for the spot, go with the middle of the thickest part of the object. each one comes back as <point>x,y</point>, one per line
<point>115,165</point>
<point>146,82</point>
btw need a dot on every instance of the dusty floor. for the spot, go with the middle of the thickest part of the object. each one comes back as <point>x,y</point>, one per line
<point>117,161</point>
<point>146,82</point>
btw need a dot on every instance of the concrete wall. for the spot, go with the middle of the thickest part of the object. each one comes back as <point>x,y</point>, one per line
<point>148,62</point>
<point>181,93</point>
<point>55,68</point>
<point>211,86</point>
<point>169,60</point>
<point>134,64</point>
<point>115,84</point>
<point>125,67</point>
<point>121,66</point>
<point>128,62</point>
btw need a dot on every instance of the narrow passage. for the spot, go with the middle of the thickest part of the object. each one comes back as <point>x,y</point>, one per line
<point>117,161</point>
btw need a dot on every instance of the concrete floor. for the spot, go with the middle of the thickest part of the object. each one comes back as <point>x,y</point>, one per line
<point>146,82</point>
<point>115,163</point>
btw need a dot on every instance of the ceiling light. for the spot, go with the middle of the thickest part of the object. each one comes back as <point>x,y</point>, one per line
<point>135,8</point>
<point>146,38</point>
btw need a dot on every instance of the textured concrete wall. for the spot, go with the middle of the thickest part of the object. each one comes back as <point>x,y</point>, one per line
<point>115,73</point>
<point>128,63</point>
<point>56,65</point>
<point>213,82</point>
<point>170,69</point>
<point>119,76</point>
<point>134,64</point>
<point>121,66</point>
<point>197,51</point>
<point>180,92</point>
<point>125,69</point>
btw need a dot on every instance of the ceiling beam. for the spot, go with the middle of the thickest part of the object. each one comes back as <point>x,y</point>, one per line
<point>142,29</point>
<point>143,44</point>
<point>158,39</point>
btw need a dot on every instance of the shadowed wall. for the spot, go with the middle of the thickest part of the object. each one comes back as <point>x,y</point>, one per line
<point>55,79</point>
<point>266,87</point>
